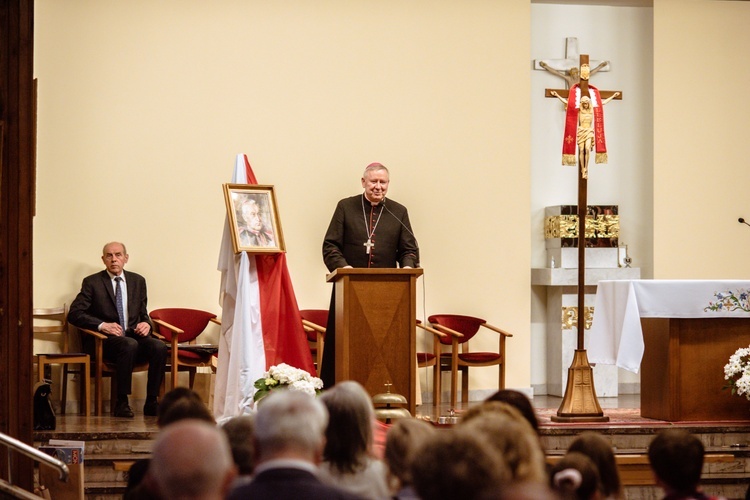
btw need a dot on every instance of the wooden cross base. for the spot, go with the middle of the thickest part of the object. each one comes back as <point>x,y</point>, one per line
<point>579,403</point>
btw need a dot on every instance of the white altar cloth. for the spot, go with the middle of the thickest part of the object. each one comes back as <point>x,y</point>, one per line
<point>616,337</point>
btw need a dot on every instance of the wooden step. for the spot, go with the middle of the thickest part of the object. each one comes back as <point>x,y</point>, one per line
<point>104,490</point>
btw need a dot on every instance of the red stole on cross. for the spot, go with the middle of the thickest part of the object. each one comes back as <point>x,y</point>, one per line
<point>571,126</point>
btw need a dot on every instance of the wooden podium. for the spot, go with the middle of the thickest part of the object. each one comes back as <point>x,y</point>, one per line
<point>376,317</point>
<point>682,372</point>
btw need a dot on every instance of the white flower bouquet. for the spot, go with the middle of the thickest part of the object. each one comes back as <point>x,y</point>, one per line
<point>737,372</point>
<point>283,376</point>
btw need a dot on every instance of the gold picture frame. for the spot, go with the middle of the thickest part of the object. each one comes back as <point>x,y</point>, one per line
<point>254,218</point>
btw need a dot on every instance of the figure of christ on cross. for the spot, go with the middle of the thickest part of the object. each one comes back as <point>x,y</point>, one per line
<point>567,68</point>
<point>585,133</point>
<point>584,119</point>
<point>584,128</point>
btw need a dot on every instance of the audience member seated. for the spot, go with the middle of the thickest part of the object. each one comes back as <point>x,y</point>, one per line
<point>170,398</point>
<point>497,407</point>
<point>599,450</point>
<point>515,440</point>
<point>178,404</point>
<point>186,408</point>
<point>289,441</point>
<point>404,437</point>
<point>520,402</point>
<point>191,460</point>
<point>575,477</point>
<point>347,458</point>
<point>676,459</point>
<point>455,463</point>
<point>239,431</point>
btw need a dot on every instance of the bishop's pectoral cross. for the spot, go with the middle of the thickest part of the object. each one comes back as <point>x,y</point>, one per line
<point>369,244</point>
<point>584,130</point>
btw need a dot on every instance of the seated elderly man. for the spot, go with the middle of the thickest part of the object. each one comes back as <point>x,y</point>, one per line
<point>289,430</point>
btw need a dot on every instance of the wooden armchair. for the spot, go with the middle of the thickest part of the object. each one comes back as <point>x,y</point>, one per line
<point>101,369</point>
<point>427,359</point>
<point>460,330</point>
<point>314,322</point>
<point>179,327</point>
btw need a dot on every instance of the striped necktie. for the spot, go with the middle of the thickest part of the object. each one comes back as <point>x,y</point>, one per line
<point>118,302</point>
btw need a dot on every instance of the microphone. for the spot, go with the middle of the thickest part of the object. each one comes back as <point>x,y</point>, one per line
<point>742,221</point>
<point>407,228</point>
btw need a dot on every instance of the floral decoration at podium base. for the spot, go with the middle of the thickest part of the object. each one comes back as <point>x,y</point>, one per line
<point>285,377</point>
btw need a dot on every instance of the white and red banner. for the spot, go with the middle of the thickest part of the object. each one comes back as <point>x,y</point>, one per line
<point>260,321</point>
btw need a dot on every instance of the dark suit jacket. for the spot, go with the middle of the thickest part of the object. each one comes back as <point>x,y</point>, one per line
<point>288,484</point>
<point>394,240</point>
<point>95,303</point>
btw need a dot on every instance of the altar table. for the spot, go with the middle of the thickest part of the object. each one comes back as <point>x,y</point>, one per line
<point>679,334</point>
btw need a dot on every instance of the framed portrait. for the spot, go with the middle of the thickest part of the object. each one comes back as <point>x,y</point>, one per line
<point>254,218</point>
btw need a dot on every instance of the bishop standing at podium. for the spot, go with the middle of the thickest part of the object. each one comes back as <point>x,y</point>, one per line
<point>366,230</point>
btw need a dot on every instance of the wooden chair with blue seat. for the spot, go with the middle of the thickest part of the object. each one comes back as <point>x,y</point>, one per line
<point>315,322</point>
<point>180,327</point>
<point>460,329</point>
<point>53,326</point>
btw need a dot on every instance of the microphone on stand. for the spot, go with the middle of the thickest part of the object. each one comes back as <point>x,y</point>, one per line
<point>409,230</point>
<point>742,221</point>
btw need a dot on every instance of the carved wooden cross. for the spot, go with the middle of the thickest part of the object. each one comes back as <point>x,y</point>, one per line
<point>579,401</point>
<point>582,191</point>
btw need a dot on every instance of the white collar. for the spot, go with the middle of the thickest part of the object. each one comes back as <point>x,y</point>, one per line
<point>286,463</point>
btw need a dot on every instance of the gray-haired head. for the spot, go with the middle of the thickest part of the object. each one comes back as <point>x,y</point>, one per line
<point>290,421</point>
<point>374,167</point>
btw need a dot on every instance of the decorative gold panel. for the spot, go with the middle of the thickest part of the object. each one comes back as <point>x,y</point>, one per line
<point>570,317</point>
<point>566,226</point>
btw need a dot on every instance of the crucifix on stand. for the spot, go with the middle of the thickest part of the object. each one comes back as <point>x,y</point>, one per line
<point>584,133</point>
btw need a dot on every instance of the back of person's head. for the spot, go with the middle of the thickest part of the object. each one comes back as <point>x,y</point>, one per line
<point>349,431</point>
<point>519,401</point>
<point>516,442</point>
<point>599,450</point>
<point>456,463</point>
<point>290,422</point>
<point>404,437</point>
<point>185,408</point>
<point>496,407</point>
<point>191,460</point>
<point>171,398</point>
<point>239,431</point>
<point>676,458</point>
<point>575,477</point>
